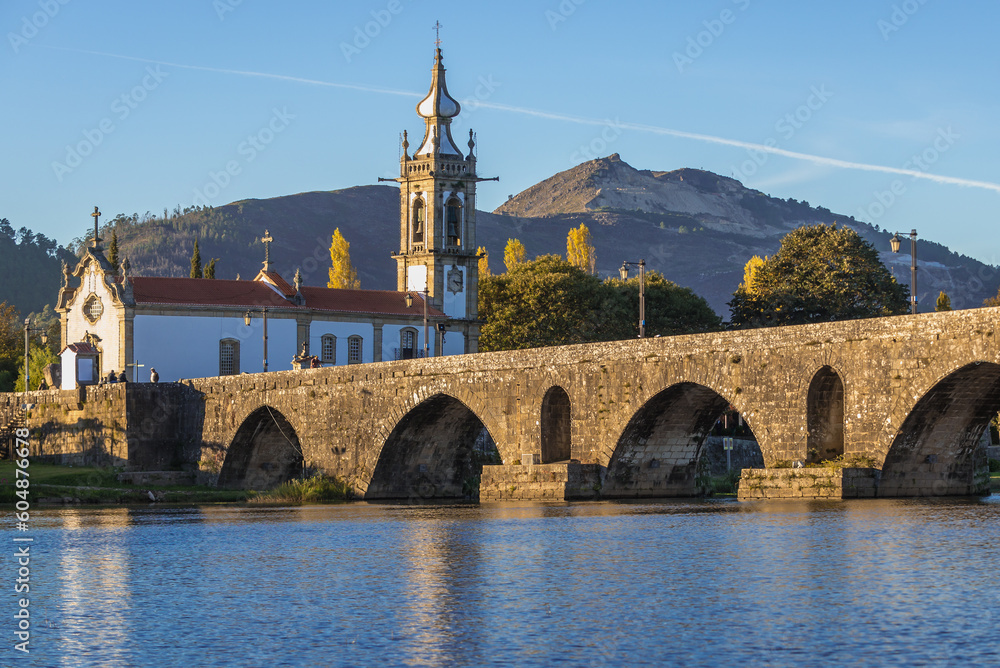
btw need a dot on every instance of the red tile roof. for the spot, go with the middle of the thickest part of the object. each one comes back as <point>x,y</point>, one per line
<point>277,281</point>
<point>80,348</point>
<point>219,292</point>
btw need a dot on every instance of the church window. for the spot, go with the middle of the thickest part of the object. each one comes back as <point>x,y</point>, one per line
<point>328,348</point>
<point>354,350</point>
<point>93,308</point>
<point>418,221</point>
<point>453,219</point>
<point>229,357</point>
<point>408,344</point>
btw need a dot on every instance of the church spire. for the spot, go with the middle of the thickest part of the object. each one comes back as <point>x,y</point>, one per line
<point>437,109</point>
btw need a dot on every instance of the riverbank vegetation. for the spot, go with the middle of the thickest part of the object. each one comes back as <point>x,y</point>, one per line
<point>315,489</point>
<point>51,484</point>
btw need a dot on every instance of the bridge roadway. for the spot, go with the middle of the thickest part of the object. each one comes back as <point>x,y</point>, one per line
<point>913,394</point>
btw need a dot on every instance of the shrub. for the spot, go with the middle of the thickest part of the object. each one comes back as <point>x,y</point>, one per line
<point>315,489</point>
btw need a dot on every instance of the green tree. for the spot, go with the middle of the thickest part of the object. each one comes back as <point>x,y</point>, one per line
<point>39,358</point>
<point>11,346</point>
<point>514,254</point>
<point>342,274</point>
<point>580,249</point>
<point>670,309</point>
<point>943,302</point>
<point>210,268</point>
<point>196,261</point>
<point>545,302</point>
<point>549,301</point>
<point>992,301</point>
<point>820,273</point>
<point>113,251</point>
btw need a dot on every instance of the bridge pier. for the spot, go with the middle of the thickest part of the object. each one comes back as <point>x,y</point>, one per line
<point>563,481</point>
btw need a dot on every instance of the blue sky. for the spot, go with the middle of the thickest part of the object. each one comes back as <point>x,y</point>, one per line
<point>162,97</point>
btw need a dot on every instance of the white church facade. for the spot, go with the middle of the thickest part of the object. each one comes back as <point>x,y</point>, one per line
<point>196,327</point>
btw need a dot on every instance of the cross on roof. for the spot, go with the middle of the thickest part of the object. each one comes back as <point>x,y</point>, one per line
<point>96,216</point>
<point>437,31</point>
<point>267,250</point>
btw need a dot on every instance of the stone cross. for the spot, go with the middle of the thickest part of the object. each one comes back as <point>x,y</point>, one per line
<point>267,250</point>
<point>96,216</point>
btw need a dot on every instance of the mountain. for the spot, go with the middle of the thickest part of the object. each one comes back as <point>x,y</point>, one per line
<point>695,227</point>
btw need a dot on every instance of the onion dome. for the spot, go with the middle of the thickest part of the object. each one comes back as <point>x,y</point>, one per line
<point>438,102</point>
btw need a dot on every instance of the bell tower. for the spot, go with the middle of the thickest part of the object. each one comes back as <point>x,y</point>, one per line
<point>437,242</point>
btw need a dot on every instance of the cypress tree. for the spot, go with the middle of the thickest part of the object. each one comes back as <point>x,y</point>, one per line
<point>113,251</point>
<point>210,268</point>
<point>196,261</point>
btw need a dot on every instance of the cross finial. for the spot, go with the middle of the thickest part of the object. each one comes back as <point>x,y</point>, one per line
<point>96,216</point>
<point>437,32</point>
<point>267,250</point>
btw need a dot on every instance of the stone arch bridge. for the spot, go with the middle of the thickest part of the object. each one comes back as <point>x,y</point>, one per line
<point>912,395</point>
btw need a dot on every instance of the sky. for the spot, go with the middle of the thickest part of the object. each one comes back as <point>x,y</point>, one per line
<point>881,110</point>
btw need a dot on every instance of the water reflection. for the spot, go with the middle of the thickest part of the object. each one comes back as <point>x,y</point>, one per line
<point>625,583</point>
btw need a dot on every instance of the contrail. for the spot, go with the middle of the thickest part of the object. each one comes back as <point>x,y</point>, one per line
<point>581,120</point>
<point>245,73</point>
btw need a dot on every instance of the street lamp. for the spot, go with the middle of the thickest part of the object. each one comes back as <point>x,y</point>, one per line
<point>247,317</point>
<point>894,243</point>
<point>28,330</point>
<point>642,291</point>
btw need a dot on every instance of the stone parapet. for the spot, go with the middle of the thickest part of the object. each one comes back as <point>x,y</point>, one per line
<point>540,482</point>
<point>809,483</point>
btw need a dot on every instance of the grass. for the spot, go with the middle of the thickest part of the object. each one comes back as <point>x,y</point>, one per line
<point>95,485</point>
<point>315,489</point>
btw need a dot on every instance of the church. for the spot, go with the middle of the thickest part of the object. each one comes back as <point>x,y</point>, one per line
<point>112,321</point>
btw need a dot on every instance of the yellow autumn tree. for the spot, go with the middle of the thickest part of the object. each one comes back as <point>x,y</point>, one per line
<point>514,254</point>
<point>580,249</point>
<point>342,274</point>
<point>750,271</point>
<point>484,262</point>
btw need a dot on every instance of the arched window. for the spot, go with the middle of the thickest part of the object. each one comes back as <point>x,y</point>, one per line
<point>453,221</point>
<point>354,349</point>
<point>407,344</point>
<point>418,221</point>
<point>328,349</point>
<point>229,357</point>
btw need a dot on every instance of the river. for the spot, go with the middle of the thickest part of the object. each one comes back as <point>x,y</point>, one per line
<point>693,583</point>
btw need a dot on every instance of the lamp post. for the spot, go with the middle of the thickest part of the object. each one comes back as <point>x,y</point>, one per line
<point>28,330</point>
<point>247,317</point>
<point>894,243</point>
<point>642,291</point>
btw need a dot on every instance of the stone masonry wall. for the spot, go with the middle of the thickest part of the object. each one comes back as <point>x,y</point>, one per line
<point>634,392</point>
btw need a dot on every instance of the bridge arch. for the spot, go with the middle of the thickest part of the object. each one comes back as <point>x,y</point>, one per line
<point>556,426</point>
<point>265,452</point>
<point>658,451</point>
<point>935,449</point>
<point>825,416</point>
<point>436,451</point>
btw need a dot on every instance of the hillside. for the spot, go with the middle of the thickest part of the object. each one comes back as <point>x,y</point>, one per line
<point>696,227</point>
<point>30,268</point>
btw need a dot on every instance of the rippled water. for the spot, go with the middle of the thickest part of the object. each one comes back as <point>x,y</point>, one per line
<point>684,583</point>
